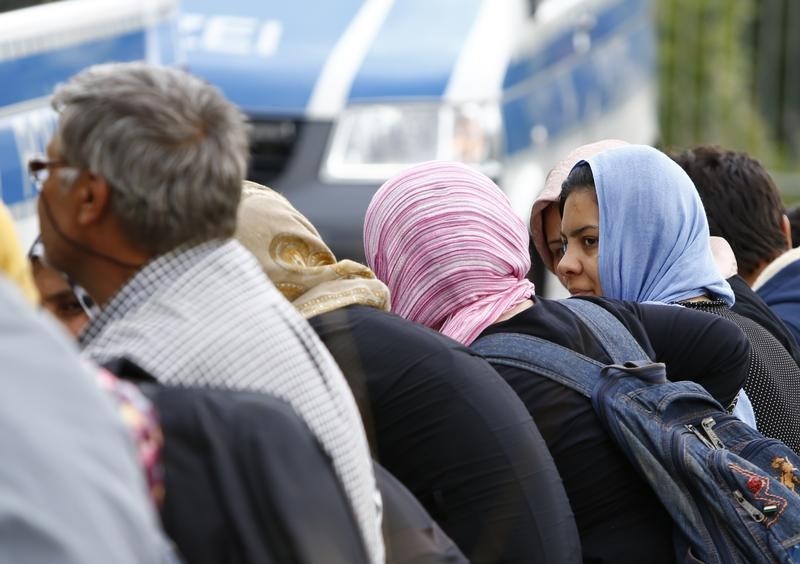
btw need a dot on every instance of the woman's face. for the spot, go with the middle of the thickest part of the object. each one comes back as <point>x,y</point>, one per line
<point>551,221</point>
<point>580,235</point>
<point>59,299</point>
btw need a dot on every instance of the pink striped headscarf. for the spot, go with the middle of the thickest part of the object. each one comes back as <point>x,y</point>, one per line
<point>446,241</point>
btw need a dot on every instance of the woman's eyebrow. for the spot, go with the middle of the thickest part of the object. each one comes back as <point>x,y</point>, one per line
<point>579,230</point>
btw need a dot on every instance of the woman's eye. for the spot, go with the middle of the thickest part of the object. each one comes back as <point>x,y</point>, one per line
<point>69,308</point>
<point>589,241</point>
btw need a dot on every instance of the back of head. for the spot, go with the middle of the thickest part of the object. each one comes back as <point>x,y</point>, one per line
<point>654,239</point>
<point>297,260</point>
<point>447,242</point>
<point>742,203</point>
<point>173,150</point>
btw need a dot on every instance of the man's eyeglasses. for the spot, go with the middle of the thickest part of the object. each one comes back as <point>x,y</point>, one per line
<point>39,168</point>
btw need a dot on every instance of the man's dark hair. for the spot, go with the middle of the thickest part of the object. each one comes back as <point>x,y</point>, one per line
<point>579,178</point>
<point>742,203</point>
<point>794,219</point>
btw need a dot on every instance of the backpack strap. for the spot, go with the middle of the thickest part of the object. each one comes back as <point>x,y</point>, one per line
<point>615,338</point>
<point>560,364</point>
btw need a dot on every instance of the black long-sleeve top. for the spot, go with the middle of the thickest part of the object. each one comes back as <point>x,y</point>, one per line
<point>444,422</point>
<point>619,518</point>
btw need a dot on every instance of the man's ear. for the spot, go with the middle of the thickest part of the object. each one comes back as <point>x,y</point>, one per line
<point>786,227</point>
<point>94,200</point>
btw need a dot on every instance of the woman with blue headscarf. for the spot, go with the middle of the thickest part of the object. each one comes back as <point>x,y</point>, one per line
<point>634,228</point>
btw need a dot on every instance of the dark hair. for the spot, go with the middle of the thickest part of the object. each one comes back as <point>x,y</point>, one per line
<point>742,203</point>
<point>579,178</point>
<point>794,219</point>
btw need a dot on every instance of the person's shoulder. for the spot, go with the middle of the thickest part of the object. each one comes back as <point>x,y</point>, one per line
<point>402,331</point>
<point>775,275</point>
<point>224,283</point>
<point>623,310</point>
<point>761,339</point>
<point>399,335</point>
<point>780,286</point>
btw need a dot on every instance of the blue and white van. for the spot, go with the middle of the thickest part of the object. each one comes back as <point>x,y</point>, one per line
<point>344,93</point>
<point>44,43</point>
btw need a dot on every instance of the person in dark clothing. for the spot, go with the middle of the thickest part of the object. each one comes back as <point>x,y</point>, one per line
<point>454,254</point>
<point>660,253</point>
<point>744,205</point>
<point>752,306</point>
<point>410,534</point>
<point>618,517</point>
<point>455,434</point>
<point>246,481</point>
<point>438,417</point>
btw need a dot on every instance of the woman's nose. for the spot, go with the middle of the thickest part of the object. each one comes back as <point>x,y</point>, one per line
<point>568,265</point>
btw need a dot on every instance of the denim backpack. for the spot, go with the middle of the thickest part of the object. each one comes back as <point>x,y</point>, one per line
<point>730,491</point>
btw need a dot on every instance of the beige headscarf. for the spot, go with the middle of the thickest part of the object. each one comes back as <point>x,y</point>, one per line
<point>298,262</point>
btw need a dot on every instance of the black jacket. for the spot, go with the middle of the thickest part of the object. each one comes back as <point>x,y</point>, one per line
<point>246,481</point>
<point>751,305</point>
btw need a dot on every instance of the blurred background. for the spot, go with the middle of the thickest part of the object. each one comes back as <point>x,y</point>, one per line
<point>728,74</point>
<point>343,93</point>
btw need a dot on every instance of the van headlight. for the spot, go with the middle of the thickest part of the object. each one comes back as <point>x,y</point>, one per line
<point>371,142</point>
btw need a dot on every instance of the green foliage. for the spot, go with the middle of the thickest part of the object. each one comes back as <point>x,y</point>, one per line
<point>706,77</point>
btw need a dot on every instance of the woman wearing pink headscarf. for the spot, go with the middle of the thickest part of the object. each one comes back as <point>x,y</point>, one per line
<point>438,417</point>
<point>447,242</point>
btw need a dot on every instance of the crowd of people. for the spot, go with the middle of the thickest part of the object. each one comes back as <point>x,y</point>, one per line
<point>222,388</point>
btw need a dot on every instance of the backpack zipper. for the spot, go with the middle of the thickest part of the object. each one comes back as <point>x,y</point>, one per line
<point>751,509</point>
<point>697,433</point>
<point>708,425</point>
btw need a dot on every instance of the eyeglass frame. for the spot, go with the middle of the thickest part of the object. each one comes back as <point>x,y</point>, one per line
<point>40,163</point>
<point>36,253</point>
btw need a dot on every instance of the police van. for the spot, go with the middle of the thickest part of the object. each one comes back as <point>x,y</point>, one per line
<point>44,43</point>
<point>343,94</point>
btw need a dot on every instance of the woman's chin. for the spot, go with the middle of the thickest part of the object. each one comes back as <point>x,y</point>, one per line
<point>582,293</point>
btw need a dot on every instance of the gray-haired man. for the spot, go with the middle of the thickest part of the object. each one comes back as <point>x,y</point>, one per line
<point>146,171</point>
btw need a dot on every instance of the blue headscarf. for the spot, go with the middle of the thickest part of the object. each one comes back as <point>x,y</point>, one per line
<point>654,243</point>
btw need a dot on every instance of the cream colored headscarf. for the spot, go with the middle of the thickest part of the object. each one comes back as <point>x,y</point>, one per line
<point>298,262</point>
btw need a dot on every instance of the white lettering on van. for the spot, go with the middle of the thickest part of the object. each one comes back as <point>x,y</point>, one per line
<point>230,35</point>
